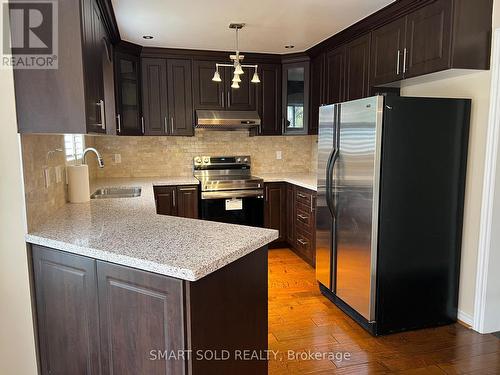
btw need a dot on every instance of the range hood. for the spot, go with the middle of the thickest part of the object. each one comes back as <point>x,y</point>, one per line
<point>227,120</point>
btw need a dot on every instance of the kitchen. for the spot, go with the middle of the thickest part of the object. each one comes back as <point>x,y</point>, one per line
<point>183,137</point>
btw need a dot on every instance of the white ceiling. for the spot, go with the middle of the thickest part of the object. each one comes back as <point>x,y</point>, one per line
<point>270,24</point>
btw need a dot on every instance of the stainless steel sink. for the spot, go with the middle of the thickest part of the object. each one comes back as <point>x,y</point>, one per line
<point>116,192</point>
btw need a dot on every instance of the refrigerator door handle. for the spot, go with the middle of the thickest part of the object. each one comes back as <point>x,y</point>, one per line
<point>329,176</point>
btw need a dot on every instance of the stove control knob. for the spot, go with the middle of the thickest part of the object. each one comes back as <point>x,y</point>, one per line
<point>197,160</point>
<point>238,160</point>
<point>206,160</point>
<point>245,160</point>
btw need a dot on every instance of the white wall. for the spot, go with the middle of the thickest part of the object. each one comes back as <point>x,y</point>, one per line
<point>476,86</point>
<point>17,345</point>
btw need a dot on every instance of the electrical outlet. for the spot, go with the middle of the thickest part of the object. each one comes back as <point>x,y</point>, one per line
<point>279,155</point>
<point>117,158</point>
<point>58,174</point>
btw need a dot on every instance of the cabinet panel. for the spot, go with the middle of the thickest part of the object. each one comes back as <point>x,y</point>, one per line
<point>67,312</point>
<point>128,105</point>
<point>207,93</point>
<point>335,76</point>
<point>187,201</point>
<point>139,312</point>
<point>387,52</point>
<point>275,208</point>
<point>154,96</point>
<point>180,100</point>
<point>428,39</point>
<point>290,214</point>
<point>242,99</point>
<point>165,199</point>
<point>357,68</point>
<point>269,99</point>
<point>296,89</point>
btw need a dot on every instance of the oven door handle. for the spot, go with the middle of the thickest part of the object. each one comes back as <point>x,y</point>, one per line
<point>232,194</point>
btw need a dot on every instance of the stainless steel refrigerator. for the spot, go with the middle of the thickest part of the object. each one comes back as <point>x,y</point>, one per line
<point>391,182</point>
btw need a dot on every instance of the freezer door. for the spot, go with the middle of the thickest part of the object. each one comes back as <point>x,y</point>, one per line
<point>356,186</point>
<point>323,211</point>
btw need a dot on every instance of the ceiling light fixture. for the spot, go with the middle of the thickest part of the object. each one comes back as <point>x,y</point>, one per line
<point>147,37</point>
<point>236,63</point>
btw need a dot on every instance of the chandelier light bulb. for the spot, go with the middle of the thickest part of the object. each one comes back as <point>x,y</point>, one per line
<point>236,78</point>
<point>255,78</point>
<point>216,77</point>
<point>235,85</point>
<point>238,69</point>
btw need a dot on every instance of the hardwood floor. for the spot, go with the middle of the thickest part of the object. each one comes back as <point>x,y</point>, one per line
<point>303,321</point>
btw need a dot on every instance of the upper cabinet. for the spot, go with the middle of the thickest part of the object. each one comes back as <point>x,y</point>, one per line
<point>167,102</point>
<point>219,95</point>
<point>445,34</point>
<point>295,97</point>
<point>269,99</point>
<point>357,64</point>
<point>71,98</point>
<point>128,102</point>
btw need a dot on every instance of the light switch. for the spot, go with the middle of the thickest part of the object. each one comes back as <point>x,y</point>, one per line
<point>279,155</point>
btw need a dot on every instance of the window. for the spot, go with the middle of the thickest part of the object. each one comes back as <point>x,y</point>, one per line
<point>295,114</point>
<point>74,144</point>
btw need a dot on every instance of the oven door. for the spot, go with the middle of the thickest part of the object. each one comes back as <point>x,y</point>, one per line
<point>235,207</point>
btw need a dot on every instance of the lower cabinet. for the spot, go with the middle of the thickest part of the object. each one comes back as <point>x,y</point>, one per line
<point>177,201</point>
<point>95,317</point>
<point>292,210</point>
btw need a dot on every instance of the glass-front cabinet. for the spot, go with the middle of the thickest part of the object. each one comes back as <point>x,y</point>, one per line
<point>295,97</point>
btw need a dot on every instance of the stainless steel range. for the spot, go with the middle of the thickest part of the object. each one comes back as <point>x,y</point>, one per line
<point>229,192</point>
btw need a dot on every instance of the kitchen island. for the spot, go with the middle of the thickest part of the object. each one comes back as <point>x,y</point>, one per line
<point>119,289</point>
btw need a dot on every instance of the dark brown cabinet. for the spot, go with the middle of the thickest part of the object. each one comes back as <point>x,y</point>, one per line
<point>387,52</point>
<point>269,99</point>
<point>71,97</point>
<point>128,94</point>
<point>139,312</point>
<point>305,224</point>
<point>290,213</point>
<point>357,64</point>
<point>180,100</point>
<point>296,90</point>
<point>334,91</point>
<point>317,94</point>
<point>95,317</point>
<point>154,96</point>
<point>177,201</point>
<point>67,312</point>
<point>219,95</point>
<point>275,208</point>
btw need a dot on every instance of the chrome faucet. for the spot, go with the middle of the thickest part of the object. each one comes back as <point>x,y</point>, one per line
<point>100,161</point>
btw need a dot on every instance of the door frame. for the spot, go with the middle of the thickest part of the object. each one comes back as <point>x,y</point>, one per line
<point>488,246</point>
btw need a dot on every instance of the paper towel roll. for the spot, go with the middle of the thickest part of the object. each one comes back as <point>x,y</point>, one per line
<point>78,183</point>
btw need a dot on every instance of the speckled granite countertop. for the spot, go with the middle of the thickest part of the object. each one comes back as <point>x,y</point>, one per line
<point>128,231</point>
<point>305,180</point>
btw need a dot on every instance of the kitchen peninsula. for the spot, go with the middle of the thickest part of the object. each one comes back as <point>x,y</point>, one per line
<point>116,284</point>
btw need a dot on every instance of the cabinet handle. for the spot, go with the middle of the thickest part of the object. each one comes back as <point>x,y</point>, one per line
<point>165,126</point>
<point>187,189</point>
<point>100,103</point>
<point>172,124</point>
<point>173,198</point>
<point>302,217</point>
<point>118,118</point>
<point>302,242</point>
<point>397,62</point>
<point>142,124</point>
<point>405,52</point>
<point>301,195</point>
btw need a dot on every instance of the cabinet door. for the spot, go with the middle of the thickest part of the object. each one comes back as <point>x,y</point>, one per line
<point>317,91</point>
<point>139,312</point>
<point>207,93</point>
<point>67,312</point>
<point>296,97</point>
<point>180,98</point>
<point>154,96</point>
<point>269,99</point>
<point>187,201</point>
<point>244,97</point>
<point>290,214</point>
<point>92,49</point>
<point>128,105</point>
<point>357,68</point>
<point>335,76</point>
<point>275,208</point>
<point>387,52</point>
<point>165,199</point>
<point>428,39</point>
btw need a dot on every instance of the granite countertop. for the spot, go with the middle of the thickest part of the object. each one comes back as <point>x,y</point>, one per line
<point>305,180</point>
<point>127,231</point>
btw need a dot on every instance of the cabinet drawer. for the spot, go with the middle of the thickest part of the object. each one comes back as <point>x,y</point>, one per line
<point>305,197</point>
<point>303,243</point>
<point>304,218</point>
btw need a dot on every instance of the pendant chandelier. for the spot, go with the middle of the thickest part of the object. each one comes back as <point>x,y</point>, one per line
<point>236,63</point>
